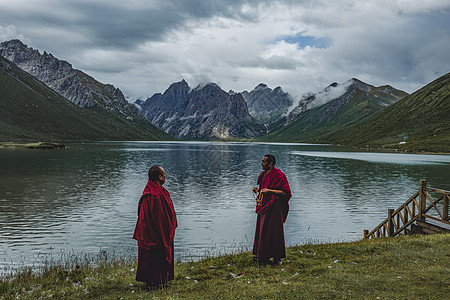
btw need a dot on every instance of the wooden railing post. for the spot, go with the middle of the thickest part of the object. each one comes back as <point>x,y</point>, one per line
<point>422,198</point>
<point>390,222</point>
<point>445,207</point>
<point>401,219</point>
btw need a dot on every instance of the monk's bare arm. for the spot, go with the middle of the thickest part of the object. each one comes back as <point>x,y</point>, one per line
<point>273,192</point>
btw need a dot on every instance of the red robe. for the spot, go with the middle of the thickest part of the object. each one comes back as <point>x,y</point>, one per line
<point>272,213</point>
<point>155,232</point>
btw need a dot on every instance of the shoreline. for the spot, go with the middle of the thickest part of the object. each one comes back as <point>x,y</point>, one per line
<point>31,145</point>
<point>60,145</point>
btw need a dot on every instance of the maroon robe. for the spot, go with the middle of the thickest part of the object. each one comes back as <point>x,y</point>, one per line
<point>155,232</point>
<point>272,213</point>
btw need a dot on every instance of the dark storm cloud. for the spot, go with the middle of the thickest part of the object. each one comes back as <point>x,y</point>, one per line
<point>124,25</point>
<point>142,46</point>
<point>115,24</point>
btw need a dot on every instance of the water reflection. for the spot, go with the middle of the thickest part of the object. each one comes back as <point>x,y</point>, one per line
<point>398,158</point>
<point>84,198</point>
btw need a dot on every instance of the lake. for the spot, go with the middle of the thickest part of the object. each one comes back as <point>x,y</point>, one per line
<point>83,199</point>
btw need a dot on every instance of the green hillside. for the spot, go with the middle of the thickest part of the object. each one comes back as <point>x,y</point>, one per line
<point>421,119</point>
<point>29,110</point>
<point>315,124</point>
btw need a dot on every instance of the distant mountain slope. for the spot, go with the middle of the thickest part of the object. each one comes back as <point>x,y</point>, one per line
<point>73,84</point>
<point>30,110</point>
<point>206,112</point>
<point>420,119</point>
<point>343,106</point>
<point>267,105</point>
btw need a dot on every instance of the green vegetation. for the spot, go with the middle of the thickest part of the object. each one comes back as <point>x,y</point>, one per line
<point>317,123</point>
<point>406,267</point>
<point>420,119</point>
<point>30,111</point>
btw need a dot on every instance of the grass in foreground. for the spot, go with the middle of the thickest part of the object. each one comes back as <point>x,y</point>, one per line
<point>407,267</point>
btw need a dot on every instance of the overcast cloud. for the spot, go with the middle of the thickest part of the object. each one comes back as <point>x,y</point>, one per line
<point>142,46</point>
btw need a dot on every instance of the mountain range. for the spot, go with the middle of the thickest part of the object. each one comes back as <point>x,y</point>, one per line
<point>344,113</point>
<point>419,121</point>
<point>336,107</point>
<point>73,84</point>
<point>206,112</point>
<point>31,110</point>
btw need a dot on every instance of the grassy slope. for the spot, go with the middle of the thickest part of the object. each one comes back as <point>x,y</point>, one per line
<point>407,267</point>
<point>29,110</point>
<point>422,116</point>
<point>317,123</point>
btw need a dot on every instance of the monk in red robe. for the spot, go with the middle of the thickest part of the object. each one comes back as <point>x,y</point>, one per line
<point>155,232</point>
<point>272,208</point>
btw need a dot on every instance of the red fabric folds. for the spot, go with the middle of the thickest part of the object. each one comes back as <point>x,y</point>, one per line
<point>153,268</point>
<point>275,180</point>
<point>269,234</point>
<point>156,223</point>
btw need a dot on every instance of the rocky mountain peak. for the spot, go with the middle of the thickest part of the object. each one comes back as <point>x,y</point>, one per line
<point>334,84</point>
<point>73,84</point>
<point>278,89</point>
<point>356,83</point>
<point>178,89</point>
<point>267,105</point>
<point>208,85</point>
<point>206,112</point>
<point>261,86</point>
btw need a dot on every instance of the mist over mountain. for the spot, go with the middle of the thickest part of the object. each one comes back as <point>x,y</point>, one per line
<point>383,96</point>
<point>418,121</point>
<point>335,107</point>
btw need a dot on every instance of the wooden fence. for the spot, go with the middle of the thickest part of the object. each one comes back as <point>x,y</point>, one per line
<point>415,210</point>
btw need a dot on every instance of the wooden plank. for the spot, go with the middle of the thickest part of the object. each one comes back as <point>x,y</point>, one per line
<point>445,207</point>
<point>398,220</point>
<point>410,222</point>
<point>409,213</point>
<point>411,199</point>
<point>415,229</point>
<point>390,222</point>
<point>433,204</point>
<point>438,190</point>
<point>445,223</point>
<point>422,198</point>
<point>406,215</point>
<point>431,228</point>
<point>378,227</point>
<point>424,230</point>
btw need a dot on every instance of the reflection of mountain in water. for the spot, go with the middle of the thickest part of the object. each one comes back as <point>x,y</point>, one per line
<point>85,198</point>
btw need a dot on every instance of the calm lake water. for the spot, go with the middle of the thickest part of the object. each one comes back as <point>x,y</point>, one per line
<point>83,199</point>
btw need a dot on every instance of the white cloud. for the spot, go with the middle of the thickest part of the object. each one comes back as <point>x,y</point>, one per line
<point>144,46</point>
<point>331,92</point>
<point>9,32</point>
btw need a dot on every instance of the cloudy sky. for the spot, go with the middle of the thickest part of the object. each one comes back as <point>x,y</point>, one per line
<point>142,46</point>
